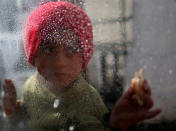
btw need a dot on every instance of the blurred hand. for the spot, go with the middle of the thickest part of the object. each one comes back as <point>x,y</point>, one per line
<point>9,99</point>
<point>127,111</point>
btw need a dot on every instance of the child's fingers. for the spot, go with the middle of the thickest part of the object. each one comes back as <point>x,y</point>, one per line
<point>129,93</point>
<point>146,99</point>
<point>9,82</point>
<point>145,114</point>
<point>148,102</point>
<point>146,88</point>
<point>9,100</point>
<point>8,105</point>
<point>11,94</point>
<point>9,90</point>
<point>152,113</point>
<point>8,86</point>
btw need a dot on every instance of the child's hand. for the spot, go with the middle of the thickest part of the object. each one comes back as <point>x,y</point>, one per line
<point>9,99</point>
<point>128,112</point>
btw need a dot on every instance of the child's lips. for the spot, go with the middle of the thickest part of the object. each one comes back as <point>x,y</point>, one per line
<point>59,74</point>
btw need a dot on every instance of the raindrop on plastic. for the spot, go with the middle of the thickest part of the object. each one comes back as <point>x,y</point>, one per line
<point>56,103</point>
<point>71,128</point>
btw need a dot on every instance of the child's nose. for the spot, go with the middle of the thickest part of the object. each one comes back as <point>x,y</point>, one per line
<point>60,57</point>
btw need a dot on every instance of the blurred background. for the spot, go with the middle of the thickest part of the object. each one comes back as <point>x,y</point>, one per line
<point>128,35</point>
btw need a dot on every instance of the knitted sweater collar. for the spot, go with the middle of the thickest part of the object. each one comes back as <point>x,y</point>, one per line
<point>74,88</point>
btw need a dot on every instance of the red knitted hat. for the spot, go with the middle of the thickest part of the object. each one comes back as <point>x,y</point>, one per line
<point>52,15</point>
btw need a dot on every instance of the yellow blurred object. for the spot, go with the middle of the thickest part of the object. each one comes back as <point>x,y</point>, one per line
<point>137,83</point>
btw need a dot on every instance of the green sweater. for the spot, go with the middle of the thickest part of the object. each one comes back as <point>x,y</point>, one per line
<point>79,107</point>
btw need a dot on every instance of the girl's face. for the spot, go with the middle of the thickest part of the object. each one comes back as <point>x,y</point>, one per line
<point>59,63</point>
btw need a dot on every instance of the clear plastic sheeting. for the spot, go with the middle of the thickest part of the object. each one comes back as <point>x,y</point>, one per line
<point>112,36</point>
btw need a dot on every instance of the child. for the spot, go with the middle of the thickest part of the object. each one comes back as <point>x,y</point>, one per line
<point>58,41</point>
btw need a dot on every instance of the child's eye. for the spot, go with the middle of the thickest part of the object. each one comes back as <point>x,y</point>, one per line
<point>48,50</point>
<point>71,50</point>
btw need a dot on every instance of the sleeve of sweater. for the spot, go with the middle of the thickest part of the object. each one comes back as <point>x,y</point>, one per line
<point>21,112</point>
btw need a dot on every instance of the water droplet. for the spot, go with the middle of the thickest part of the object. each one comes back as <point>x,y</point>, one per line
<point>4,115</point>
<point>88,24</point>
<point>71,128</point>
<point>56,103</point>
<point>21,125</point>
<point>170,71</point>
<point>2,93</point>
